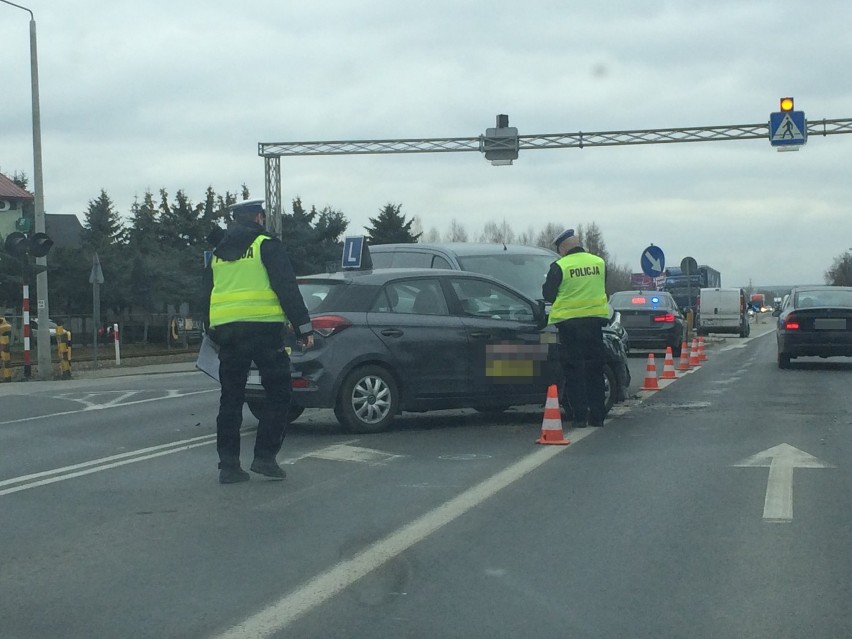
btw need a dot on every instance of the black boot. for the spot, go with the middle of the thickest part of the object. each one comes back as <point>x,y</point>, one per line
<point>268,467</point>
<point>232,475</point>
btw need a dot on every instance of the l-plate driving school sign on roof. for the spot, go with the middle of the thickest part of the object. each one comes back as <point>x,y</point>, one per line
<point>787,128</point>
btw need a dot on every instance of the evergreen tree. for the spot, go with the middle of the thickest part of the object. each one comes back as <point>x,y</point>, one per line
<point>390,227</point>
<point>102,227</point>
<point>180,223</point>
<point>312,239</point>
<point>104,234</point>
<point>142,233</point>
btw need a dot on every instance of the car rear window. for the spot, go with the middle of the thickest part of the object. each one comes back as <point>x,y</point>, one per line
<point>320,295</point>
<point>524,272</point>
<point>824,298</point>
<point>644,300</point>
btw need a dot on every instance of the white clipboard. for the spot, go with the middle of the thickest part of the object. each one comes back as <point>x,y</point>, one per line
<point>208,358</point>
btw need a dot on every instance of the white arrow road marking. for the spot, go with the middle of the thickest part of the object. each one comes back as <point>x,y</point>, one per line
<point>781,460</point>
<point>346,452</point>
<point>655,264</point>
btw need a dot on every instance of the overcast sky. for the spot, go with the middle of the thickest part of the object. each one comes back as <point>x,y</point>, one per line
<point>177,94</point>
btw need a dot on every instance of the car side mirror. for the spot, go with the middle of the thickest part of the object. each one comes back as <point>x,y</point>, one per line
<point>776,312</point>
<point>541,314</point>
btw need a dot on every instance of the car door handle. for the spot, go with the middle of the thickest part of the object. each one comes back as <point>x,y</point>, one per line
<point>392,332</point>
<point>480,334</point>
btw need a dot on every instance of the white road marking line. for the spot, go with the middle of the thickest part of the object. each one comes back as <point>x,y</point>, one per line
<point>106,406</point>
<point>326,585</point>
<point>105,463</point>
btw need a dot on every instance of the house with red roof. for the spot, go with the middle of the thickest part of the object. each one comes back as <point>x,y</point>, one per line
<point>12,201</point>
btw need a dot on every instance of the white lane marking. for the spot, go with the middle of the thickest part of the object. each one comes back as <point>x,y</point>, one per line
<point>105,406</point>
<point>324,586</point>
<point>781,460</point>
<point>105,463</point>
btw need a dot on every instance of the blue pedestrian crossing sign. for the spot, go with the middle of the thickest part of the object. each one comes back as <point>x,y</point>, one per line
<point>653,261</point>
<point>787,128</point>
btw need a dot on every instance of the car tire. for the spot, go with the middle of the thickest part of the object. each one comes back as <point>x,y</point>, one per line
<point>610,388</point>
<point>368,400</point>
<point>256,409</point>
<point>783,360</point>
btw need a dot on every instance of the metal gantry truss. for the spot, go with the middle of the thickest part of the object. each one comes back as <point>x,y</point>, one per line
<point>272,152</point>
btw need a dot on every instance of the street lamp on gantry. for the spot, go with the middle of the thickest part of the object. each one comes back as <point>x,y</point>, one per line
<point>44,360</point>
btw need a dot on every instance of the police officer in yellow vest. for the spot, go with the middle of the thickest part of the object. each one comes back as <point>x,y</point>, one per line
<point>576,286</point>
<point>251,293</point>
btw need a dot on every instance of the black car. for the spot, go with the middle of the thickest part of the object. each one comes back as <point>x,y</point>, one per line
<point>518,265</point>
<point>652,319</point>
<point>393,340</point>
<point>815,321</point>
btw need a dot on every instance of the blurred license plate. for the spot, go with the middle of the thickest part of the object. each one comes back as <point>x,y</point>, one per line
<point>838,324</point>
<point>254,377</point>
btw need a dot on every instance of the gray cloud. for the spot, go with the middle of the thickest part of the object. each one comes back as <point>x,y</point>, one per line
<point>171,95</point>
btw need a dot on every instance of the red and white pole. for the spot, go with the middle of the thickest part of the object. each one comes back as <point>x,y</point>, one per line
<point>117,344</point>
<point>28,368</point>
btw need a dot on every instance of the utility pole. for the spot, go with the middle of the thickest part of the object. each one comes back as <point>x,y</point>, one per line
<point>42,306</point>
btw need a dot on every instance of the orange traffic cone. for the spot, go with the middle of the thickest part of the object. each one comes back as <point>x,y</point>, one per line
<point>683,360</point>
<point>650,374</point>
<point>702,356</point>
<point>694,360</point>
<point>551,425</point>
<point>668,365</point>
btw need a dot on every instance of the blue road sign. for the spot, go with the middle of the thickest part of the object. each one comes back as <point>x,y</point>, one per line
<point>352,249</point>
<point>787,128</point>
<point>653,261</point>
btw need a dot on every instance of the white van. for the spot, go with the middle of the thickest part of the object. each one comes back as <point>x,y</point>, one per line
<point>722,310</point>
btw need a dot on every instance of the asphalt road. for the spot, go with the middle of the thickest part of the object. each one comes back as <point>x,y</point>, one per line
<point>718,506</point>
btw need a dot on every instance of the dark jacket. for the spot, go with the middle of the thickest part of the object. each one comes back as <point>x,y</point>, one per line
<point>282,278</point>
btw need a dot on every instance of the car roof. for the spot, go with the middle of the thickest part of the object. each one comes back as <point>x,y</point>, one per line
<point>820,287</point>
<point>380,276</point>
<point>467,249</point>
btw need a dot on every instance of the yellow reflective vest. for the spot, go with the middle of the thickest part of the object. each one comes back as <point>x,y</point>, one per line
<point>582,292</point>
<point>241,290</point>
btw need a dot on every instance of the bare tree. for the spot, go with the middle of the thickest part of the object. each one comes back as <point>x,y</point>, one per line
<point>840,273</point>
<point>592,240</point>
<point>546,236</point>
<point>457,232</point>
<point>432,236</point>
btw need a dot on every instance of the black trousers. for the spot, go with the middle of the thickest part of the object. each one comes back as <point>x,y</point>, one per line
<point>581,352</point>
<point>239,345</point>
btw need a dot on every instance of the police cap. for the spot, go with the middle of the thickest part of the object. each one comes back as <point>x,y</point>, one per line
<point>247,209</point>
<point>564,235</point>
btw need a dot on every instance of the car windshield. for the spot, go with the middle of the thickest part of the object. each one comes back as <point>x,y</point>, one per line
<point>824,297</point>
<point>648,300</point>
<point>525,272</point>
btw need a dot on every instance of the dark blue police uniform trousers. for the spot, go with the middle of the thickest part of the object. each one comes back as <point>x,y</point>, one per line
<point>239,345</point>
<point>581,352</point>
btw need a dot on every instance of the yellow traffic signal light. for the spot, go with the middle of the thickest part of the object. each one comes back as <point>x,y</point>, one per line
<point>786,104</point>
